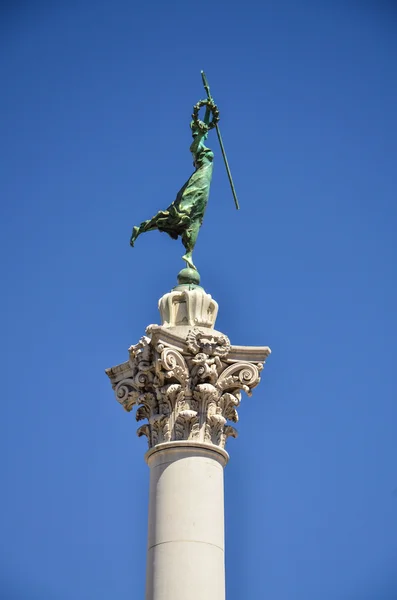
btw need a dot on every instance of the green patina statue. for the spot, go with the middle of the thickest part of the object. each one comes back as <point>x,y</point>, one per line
<point>185,215</point>
<point>183,218</point>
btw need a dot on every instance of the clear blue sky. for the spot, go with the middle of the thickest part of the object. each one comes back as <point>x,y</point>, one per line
<point>94,124</point>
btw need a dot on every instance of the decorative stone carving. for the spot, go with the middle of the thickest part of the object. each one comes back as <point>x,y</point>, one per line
<point>186,381</point>
<point>188,307</point>
<point>209,343</point>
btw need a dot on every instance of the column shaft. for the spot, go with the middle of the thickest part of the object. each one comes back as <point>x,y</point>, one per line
<point>185,558</point>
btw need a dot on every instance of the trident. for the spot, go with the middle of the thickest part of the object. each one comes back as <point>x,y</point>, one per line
<point>207,89</point>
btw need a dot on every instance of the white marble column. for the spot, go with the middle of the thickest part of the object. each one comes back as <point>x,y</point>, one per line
<point>186,380</point>
<point>185,557</point>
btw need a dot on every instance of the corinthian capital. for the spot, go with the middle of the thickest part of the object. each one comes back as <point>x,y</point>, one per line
<point>184,377</point>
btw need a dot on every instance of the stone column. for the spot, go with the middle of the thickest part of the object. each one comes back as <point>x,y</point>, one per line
<point>185,558</point>
<point>186,380</point>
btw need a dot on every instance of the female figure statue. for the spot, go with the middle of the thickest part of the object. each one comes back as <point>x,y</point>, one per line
<point>183,218</point>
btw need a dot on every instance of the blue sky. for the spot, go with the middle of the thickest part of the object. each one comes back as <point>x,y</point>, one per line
<point>94,124</point>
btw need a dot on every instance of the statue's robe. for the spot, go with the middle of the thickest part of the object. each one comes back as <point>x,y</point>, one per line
<point>187,210</point>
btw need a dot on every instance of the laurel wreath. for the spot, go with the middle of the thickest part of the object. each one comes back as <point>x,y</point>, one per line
<point>214,111</point>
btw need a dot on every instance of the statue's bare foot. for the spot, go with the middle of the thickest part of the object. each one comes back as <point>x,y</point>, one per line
<point>188,260</point>
<point>135,233</point>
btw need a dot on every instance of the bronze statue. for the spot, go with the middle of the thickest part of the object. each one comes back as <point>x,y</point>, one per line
<point>183,218</point>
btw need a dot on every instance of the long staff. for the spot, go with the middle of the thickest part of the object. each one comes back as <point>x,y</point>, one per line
<point>207,89</point>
